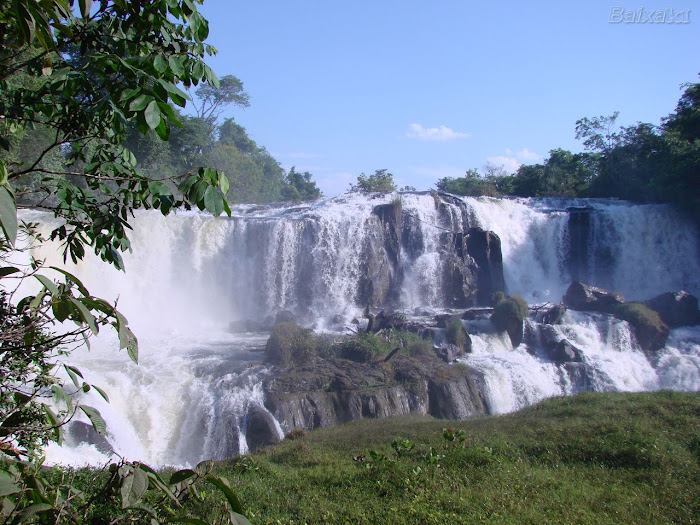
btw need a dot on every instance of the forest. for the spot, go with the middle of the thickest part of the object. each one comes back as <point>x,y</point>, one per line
<point>641,163</point>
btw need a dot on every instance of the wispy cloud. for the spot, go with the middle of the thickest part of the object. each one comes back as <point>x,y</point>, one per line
<point>512,160</point>
<point>441,133</point>
<point>302,155</point>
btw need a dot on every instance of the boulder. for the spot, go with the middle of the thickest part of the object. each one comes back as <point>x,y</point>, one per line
<point>650,331</point>
<point>584,297</point>
<point>285,316</point>
<point>676,308</point>
<point>448,352</point>
<point>260,428</point>
<point>565,352</point>
<point>554,315</point>
<point>84,433</point>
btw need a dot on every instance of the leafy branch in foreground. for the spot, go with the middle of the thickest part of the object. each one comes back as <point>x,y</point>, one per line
<point>79,74</point>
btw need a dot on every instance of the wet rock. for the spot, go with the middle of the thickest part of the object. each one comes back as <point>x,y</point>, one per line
<point>565,352</point>
<point>584,297</point>
<point>449,352</point>
<point>676,308</point>
<point>84,433</point>
<point>554,315</point>
<point>285,316</point>
<point>260,428</point>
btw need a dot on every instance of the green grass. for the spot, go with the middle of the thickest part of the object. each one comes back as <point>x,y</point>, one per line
<point>591,458</point>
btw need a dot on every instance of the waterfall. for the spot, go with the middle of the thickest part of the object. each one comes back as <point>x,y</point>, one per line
<point>190,275</point>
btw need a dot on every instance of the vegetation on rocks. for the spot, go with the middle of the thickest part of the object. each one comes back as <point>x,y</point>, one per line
<point>508,310</point>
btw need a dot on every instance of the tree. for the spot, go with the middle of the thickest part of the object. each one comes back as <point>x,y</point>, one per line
<point>299,186</point>
<point>473,184</point>
<point>79,74</point>
<point>379,181</point>
<point>213,99</point>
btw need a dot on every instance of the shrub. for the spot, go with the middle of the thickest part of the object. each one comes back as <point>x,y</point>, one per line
<point>456,334</point>
<point>638,314</point>
<point>511,309</point>
<point>364,347</point>
<point>497,298</point>
<point>290,344</point>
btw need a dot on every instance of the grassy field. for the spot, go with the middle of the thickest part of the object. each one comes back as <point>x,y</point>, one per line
<point>591,458</point>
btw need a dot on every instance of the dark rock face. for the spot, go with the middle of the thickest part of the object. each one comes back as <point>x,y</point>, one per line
<point>84,433</point>
<point>260,428</point>
<point>449,352</point>
<point>584,297</point>
<point>337,391</point>
<point>676,308</point>
<point>484,247</point>
<point>565,352</point>
<point>554,315</point>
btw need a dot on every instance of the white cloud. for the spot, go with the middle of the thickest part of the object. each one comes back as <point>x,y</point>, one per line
<point>302,155</point>
<point>441,133</point>
<point>512,160</point>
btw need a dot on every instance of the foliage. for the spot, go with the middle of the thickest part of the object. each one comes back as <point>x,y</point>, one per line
<point>299,186</point>
<point>472,184</point>
<point>363,347</point>
<point>75,80</point>
<point>590,458</point>
<point>642,163</point>
<point>214,98</point>
<point>513,308</point>
<point>456,334</point>
<point>638,314</point>
<point>379,181</point>
<point>290,345</point>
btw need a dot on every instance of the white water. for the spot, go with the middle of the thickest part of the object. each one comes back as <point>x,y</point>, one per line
<point>191,274</point>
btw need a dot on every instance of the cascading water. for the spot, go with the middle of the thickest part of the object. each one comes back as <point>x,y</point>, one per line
<point>190,275</point>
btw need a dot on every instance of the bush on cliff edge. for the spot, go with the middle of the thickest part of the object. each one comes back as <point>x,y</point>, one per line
<point>290,344</point>
<point>511,309</point>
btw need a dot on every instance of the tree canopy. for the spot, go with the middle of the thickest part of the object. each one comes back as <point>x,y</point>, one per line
<point>78,82</point>
<point>642,163</point>
<point>379,181</point>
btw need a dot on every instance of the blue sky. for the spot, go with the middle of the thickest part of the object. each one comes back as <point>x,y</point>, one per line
<point>428,89</point>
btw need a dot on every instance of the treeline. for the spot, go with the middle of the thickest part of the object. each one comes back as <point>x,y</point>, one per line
<point>641,163</point>
<point>200,140</point>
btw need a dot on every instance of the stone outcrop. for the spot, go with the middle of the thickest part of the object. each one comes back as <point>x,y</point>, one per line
<point>260,428</point>
<point>676,308</point>
<point>334,391</point>
<point>554,315</point>
<point>584,297</point>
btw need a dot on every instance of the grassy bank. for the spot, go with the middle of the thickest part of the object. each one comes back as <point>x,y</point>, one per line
<point>592,458</point>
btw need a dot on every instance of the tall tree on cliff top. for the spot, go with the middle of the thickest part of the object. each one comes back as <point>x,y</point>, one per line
<point>81,72</point>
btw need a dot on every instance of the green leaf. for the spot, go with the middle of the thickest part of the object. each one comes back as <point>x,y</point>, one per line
<point>237,519</point>
<point>74,373</point>
<point>192,521</point>
<point>176,66</point>
<point>224,183</point>
<point>181,475</point>
<point>7,487</point>
<point>152,115</point>
<point>139,103</point>
<point>48,284</point>
<point>8,270</point>
<point>85,6</point>
<point>223,485</point>
<point>102,393</point>
<point>214,201</point>
<point>134,485</point>
<point>95,418</point>
<point>8,214</point>
<point>73,279</point>
<point>85,314</point>
<point>30,511</point>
